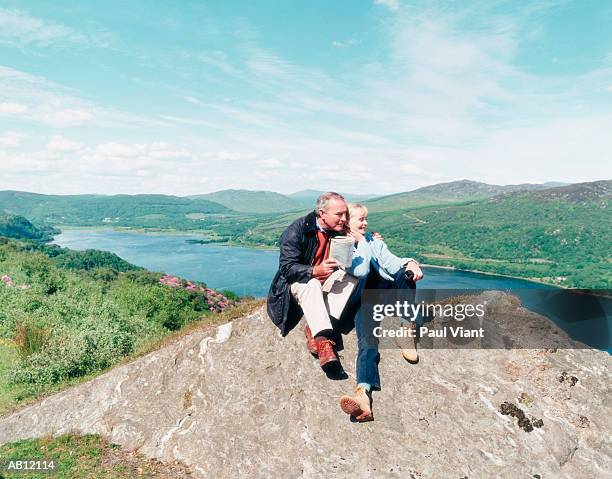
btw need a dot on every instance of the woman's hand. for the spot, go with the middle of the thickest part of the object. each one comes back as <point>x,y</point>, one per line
<point>416,270</point>
<point>356,235</point>
<point>377,236</point>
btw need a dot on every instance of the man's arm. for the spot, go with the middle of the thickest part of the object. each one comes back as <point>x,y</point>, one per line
<point>292,257</point>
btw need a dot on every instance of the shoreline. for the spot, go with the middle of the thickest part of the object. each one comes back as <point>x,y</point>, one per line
<point>489,273</point>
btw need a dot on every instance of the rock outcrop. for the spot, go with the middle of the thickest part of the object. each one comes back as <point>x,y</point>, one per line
<point>241,401</point>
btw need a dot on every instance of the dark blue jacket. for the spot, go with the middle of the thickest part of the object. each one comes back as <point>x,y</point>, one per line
<point>298,245</point>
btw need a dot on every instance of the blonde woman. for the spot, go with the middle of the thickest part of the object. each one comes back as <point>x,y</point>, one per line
<point>372,257</point>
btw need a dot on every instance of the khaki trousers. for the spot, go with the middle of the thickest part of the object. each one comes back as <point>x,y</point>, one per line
<point>320,301</point>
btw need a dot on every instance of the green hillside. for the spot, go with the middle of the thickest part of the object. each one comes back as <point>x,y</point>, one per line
<point>559,235</point>
<point>152,211</point>
<point>247,201</point>
<point>15,226</point>
<point>68,314</point>
<point>446,193</point>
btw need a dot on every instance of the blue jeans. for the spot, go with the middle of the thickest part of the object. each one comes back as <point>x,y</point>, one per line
<point>368,355</point>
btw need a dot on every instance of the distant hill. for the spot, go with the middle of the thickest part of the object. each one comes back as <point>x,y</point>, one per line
<point>248,201</point>
<point>577,192</point>
<point>18,227</point>
<point>154,211</point>
<point>560,235</point>
<point>307,198</point>
<point>451,192</point>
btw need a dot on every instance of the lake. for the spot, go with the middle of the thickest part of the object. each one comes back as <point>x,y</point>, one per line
<point>248,271</point>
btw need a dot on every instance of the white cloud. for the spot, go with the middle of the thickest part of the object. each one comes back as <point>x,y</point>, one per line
<point>410,168</point>
<point>249,116</point>
<point>70,117</point>
<point>11,139</point>
<point>390,4</point>
<point>344,44</point>
<point>13,109</point>
<point>220,61</point>
<point>33,98</point>
<point>233,156</point>
<point>121,150</point>
<point>269,163</point>
<point>60,144</point>
<point>18,27</point>
<point>571,149</point>
<point>29,97</point>
<point>193,100</point>
<point>21,29</point>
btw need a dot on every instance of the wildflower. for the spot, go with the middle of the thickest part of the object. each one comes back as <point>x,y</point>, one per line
<point>171,281</point>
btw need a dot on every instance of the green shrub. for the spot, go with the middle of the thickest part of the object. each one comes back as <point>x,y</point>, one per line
<point>70,354</point>
<point>30,339</point>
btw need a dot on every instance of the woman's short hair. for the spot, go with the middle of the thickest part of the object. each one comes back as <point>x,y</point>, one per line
<point>325,198</point>
<point>354,207</point>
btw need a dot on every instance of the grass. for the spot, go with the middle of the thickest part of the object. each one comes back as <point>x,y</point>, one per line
<point>15,396</point>
<point>80,457</point>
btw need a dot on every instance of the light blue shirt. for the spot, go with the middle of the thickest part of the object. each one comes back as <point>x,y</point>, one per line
<point>373,253</point>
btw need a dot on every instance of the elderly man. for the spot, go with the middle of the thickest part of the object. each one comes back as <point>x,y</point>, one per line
<point>309,283</point>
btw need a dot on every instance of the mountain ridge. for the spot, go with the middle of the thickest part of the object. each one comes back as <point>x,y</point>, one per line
<point>449,192</point>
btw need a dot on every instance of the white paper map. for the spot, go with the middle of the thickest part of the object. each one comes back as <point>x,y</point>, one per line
<point>341,249</point>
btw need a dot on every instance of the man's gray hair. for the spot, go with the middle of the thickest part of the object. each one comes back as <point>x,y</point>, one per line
<point>325,198</point>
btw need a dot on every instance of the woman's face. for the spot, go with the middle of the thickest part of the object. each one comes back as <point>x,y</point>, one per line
<point>358,221</point>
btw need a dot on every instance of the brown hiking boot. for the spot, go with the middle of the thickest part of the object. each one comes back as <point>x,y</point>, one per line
<point>358,405</point>
<point>311,344</point>
<point>325,350</point>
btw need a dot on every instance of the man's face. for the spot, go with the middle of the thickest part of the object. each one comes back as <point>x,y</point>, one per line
<point>335,215</point>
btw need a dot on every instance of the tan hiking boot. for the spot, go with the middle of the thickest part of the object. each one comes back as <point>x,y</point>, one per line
<point>409,346</point>
<point>358,406</point>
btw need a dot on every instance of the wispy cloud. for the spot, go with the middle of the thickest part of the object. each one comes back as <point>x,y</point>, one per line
<point>30,97</point>
<point>346,43</point>
<point>60,144</point>
<point>221,61</point>
<point>19,28</point>
<point>11,139</point>
<point>390,4</point>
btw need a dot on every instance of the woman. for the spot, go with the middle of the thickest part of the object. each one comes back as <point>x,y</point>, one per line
<point>372,258</point>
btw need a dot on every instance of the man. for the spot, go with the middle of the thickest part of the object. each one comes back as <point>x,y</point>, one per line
<point>308,282</point>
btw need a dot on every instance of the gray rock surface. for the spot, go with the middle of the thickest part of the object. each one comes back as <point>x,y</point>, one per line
<point>239,400</point>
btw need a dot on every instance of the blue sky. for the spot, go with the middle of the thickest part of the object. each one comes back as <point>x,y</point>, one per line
<point>374,96</point>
